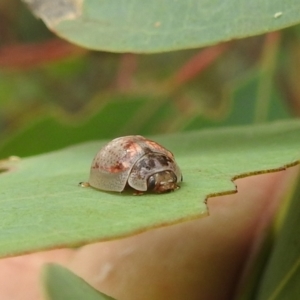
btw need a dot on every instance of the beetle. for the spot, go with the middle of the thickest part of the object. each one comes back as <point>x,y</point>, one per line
<point>134,161</point>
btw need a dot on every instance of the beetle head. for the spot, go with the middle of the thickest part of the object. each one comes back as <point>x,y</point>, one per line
<point>163,181</point>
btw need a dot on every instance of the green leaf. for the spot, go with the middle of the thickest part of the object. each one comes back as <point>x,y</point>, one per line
<point>62,284</point>
<point>43,207</point>
<point>153,26</point>
<point>281,279</point>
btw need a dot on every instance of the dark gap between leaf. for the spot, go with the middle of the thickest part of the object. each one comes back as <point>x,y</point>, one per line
<point>3,170</point>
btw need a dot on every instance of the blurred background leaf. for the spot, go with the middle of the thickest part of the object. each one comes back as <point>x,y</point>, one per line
<point>281,277</point>
<point>156,26</point>
<point>61,284</point>
<point>274,272</point>
<point>54,94</point>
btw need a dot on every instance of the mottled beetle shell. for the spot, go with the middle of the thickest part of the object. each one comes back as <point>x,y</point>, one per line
<point>131,159</point>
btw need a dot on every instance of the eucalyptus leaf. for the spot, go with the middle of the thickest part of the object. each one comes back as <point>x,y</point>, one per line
<point>156,25</point>
<point>43,207</point>
<point>61,284</point>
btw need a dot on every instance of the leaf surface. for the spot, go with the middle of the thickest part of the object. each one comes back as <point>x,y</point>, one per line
<point>156,25</point>
<point>43,207</point>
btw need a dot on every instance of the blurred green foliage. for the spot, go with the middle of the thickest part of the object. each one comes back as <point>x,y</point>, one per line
<point>53,94</point>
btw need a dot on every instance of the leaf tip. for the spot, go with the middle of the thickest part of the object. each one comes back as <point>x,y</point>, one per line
<point>52,12</point>
<point>9,163</point>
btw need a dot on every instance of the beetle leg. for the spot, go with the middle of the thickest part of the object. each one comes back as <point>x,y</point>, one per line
<point>84,184</point>
<point>137,193</point>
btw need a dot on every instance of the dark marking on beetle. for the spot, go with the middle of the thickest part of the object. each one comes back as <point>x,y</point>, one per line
<point>152,160</point>
<point>95,165</point>
<point>145,163</point>
<point>164,160</point>
<point>147,150</point>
